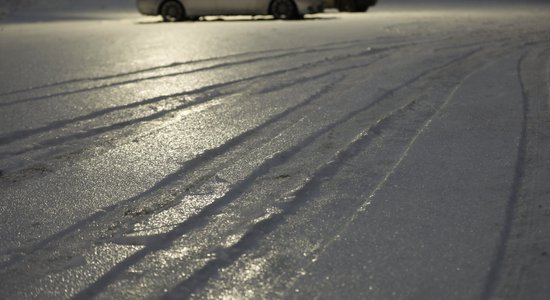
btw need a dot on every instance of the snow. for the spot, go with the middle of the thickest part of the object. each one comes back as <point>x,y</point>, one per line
<point>394,154</point>
<point>65,6</point>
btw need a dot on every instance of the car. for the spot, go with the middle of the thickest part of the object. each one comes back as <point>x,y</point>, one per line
<point>179,10</point>
<point>350,5</point>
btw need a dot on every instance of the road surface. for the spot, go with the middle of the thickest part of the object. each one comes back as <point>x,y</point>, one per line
<point>398,154</point>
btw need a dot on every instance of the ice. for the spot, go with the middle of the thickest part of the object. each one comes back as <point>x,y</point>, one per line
<point>395,154</point>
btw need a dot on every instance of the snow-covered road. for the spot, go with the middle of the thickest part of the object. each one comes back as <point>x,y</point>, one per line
<point>390,155</point>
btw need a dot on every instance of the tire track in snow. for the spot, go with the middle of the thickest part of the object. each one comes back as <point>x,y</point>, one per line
<point>98,215</point>
<point>517,183</point>
<point>201,218</point>
<point>179,73</point>
<point>187,167</point>
<point>58,141</point>
<point>21,134</point>
<point>317,48</point>
<point>509,270</point>
<point>369,196</point>
<point>469,45</point>
<point>177,64</point>
<point>301,195</point>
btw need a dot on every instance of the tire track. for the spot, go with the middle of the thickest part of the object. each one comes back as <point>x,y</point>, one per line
<point>56,141</point>
<point>201,218</point>
<point>159,186</point>
<point>369,196</point>
<point>517,184</point>
<point>21,134</point>
<point>193,164</point>
<point>178,73</point>
<point>326,46</point>
<point>469,45</point>
<point>208,68</point>
<point>515,254</point>
<point>301,196</point>
<point>177,64</point>
<point>187,167</point>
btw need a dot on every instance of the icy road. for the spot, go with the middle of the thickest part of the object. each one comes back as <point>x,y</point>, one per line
<point>398,154</point>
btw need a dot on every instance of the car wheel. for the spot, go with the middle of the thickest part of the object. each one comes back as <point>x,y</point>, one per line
<point>172,11</point>
<point>284,10</point>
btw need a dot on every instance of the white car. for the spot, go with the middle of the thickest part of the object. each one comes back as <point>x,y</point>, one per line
<point>179,10</point>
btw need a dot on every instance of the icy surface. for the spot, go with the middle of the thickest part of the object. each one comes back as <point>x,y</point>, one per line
<point>398,154</point>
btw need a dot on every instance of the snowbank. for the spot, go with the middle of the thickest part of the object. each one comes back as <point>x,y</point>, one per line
<point>29,10</point>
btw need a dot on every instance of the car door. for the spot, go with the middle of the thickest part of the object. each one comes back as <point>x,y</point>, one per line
<point>238,7</point>
<point>200,7</point>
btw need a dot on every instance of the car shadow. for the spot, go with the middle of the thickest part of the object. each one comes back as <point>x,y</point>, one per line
<point>211,19</point>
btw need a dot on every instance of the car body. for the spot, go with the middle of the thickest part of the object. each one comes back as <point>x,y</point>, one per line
<point>193,9</point>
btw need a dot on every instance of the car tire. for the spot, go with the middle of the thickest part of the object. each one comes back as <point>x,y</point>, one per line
<point>172,11</point>
<point>284,10</point>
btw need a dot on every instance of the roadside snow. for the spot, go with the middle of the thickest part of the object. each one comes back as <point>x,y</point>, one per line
<point>50,10</point>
